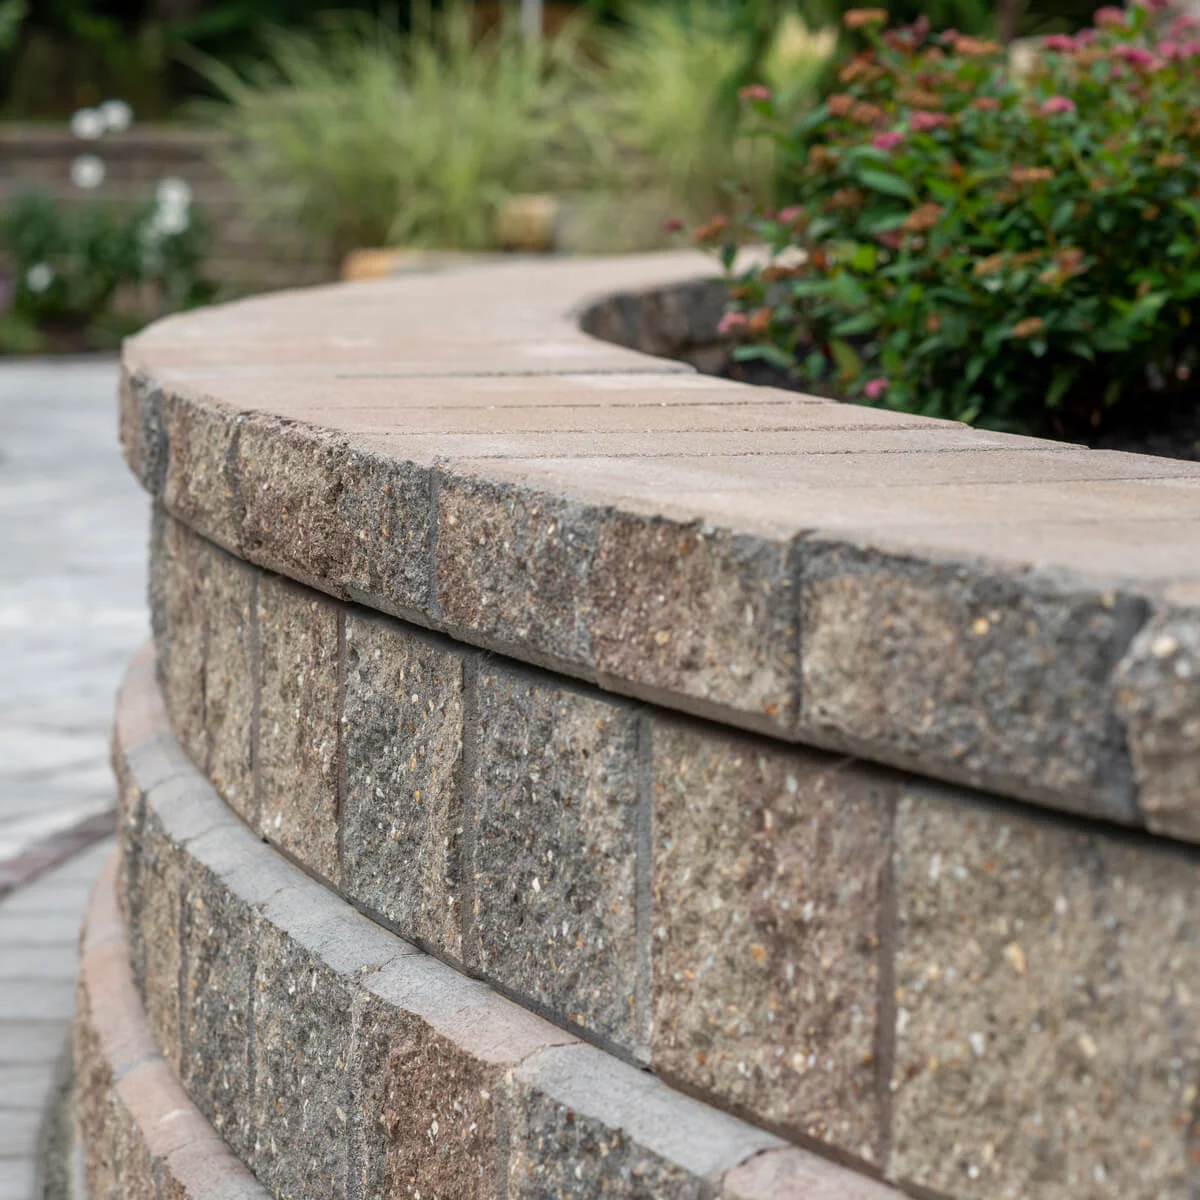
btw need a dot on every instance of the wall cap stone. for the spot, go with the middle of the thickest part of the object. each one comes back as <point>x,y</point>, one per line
<point>456,451</point>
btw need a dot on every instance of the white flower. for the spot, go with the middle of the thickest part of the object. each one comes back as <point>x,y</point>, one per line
<point>87,171</point>
<point>39,277</point>
<point>173,192</point>
<point>117,115</point>
<point>88,124</point>
<point>167,222</point>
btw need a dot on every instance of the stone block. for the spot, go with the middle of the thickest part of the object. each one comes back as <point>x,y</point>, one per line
<point>302,1029</point>
<point>425,1110</point>
<point>200,486</point>
<point>231,611</point>
<point>402,728</point>
<point>154,935</point>
<point>509,564</point>
<point>768,866</point>
<point>794,1174</point>
<point>178,620</point>
<point>1002,680</point>
<point>298,723</point>
<point>1047,983</point>
<point>1158,698</point>
<point>219,931</point>
<point>583,1124</point>
<point>554,844</point>
<point>686,610</point>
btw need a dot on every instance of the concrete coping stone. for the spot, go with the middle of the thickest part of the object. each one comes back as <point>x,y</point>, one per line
<point>329,980</point>
<point>1006,612</point>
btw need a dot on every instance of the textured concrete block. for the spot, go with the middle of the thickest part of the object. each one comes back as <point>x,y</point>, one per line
<point>425,1107</point>
<point>583,1124</point>
<point>200,486</point>
<point>230,601</point>
<point>1158,697</point>
<point>994,678</point>
<point>768,866</point>
<point>793,1174</point>
<point>509,562</point>
<point>554,848</point>
<point>298,723</point>
<point>687,610</point>
<point>301,1064</point>
<point>219,932</point>
<point>178,621</point>
<point>1047,983</point>
<point>155,912</point>
<point>402,817</point>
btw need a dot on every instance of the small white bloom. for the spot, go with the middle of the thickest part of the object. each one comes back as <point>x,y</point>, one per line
<point>167,222</point>
<point>88,124</point>
<point>173,192</point>
<point>39,277</point>
<point>87,171</point>
<point>117,115</point>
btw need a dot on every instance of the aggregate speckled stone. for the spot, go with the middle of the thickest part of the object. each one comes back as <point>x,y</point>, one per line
<point>1158,697</point>
<point>555,820</point>
<point>699,612</point>
<point>301,1081</point>
<point>556,1152</point>
<point>402,816</point>
<point>178,619</point>
<point>298,723</point>
<point>768,865</point>
<point>216,997</point>
<point>155,939</point>
<point>987,675</point>
<point>425,1110</point>
<point>1047,991</point>
<point>508,565</point>
<point>231,591</point>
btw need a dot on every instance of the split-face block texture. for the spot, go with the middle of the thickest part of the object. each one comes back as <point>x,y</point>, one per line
<point>354,1065</point>
<point>458,452</point>
<point>766,926</point>
<point>142,1137</point>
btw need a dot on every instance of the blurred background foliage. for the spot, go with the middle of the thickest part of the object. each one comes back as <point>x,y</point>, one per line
<point>60,55</point>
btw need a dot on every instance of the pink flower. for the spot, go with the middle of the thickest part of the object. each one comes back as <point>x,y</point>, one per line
<point>1188,49</point>
<point>731,322</point>
<point>1137,56</point>
<point>673,224</point>
<point>1184,23</point>
<point>755,91</point>
<point>876,387</point>
<point>1084,37</point>
<point>1057,104</point>
<point>949,36</point>
<point>1060,42</point>
<point>1153,5</point>
<point>791,214</point>
<point>888,141</point>
<point>921,121</point>
<point>1108,17</point>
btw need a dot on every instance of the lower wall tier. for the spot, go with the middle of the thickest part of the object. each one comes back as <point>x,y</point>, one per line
<point>142,1138</point>
<point>956,993</point>
<point>337,1060</point>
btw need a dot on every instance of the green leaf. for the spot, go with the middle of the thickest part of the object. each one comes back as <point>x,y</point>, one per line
<point>886,183</point>
<point>847,360</point>
<point>858,324</point>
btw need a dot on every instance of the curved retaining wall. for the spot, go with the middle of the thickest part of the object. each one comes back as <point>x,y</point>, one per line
<point>545,657</point>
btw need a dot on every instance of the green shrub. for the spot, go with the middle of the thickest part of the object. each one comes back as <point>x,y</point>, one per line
<point>68,265</point>
<point>365,136</point>
<point>1021,253</point>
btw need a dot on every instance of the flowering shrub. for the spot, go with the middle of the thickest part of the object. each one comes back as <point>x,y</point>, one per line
<point>1021,252</point>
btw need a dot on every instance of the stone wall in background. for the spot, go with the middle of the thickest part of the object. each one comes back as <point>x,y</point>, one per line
<point>245,256</point>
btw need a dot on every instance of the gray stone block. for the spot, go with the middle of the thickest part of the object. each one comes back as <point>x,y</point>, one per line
<point>554,846</point>
<point>1046,990</point>
<point>768,867</point>
<point>402,728</point>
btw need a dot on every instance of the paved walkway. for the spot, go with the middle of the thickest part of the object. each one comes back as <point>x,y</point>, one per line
<point>72,612</point>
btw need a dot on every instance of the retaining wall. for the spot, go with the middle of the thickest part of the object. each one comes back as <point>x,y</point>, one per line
<point>668,787</point>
